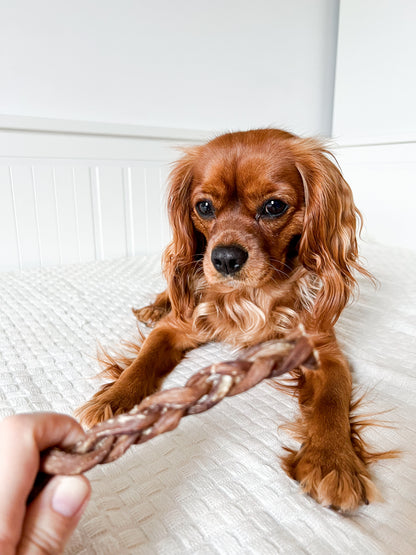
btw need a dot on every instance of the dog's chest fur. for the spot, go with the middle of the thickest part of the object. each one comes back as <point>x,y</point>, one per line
<point>244,317</point>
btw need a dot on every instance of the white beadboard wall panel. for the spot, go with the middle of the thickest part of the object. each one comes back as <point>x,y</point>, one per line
<point>112,211</point>
<point>61,214</point>
<point>148,206</point>
<point>68,197</point>
<point>84,213</point>
<point>155,194</point>
<point>48,216</point>
<point>67,210</point>
<point>26,213</point>
<point>138,207</point>
<point>9,237</point>
<point>128,210</point>
<point>163,195</point>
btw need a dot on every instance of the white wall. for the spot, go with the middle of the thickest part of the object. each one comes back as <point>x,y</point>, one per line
<point>375,91</point>
<point>383,179</point>
<point>222,64</point>
<point>375,114</point>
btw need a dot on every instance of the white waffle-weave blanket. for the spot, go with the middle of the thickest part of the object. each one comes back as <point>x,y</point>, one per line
<point>214,485</point>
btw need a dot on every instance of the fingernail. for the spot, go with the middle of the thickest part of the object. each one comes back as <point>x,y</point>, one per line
<point>69,495</point>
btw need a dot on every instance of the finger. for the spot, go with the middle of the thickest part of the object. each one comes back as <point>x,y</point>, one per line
<point>22,437</point>
<point>53,515</point>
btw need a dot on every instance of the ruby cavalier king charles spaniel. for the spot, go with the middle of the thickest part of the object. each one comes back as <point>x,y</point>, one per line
<point>264,241</point>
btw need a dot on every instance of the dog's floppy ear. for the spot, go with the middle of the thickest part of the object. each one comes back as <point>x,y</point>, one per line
<point>328,246</point>
<point>180,257</point>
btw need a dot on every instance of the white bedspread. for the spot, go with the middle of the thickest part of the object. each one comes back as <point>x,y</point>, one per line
<point>214,485</point>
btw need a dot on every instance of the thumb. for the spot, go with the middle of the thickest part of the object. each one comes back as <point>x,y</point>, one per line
<point>53,515</point>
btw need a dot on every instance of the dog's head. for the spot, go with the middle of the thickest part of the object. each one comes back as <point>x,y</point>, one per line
<point>251,207</point>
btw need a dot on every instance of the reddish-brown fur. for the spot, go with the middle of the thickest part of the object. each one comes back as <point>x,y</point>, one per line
<point>300,270</point>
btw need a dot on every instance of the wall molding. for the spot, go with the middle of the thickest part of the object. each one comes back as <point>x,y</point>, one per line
<point>31,140</point>
<point>387,140</point>
<point>74,127</point>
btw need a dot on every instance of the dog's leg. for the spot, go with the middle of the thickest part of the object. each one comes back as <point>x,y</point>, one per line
<point>329,465</point>
<point>154,312</point>
<point>161,351</point>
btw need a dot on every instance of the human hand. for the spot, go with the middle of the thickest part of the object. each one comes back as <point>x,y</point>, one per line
<point>44,526</point>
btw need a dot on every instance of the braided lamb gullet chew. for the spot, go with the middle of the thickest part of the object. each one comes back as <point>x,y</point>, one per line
<point>162,411</point>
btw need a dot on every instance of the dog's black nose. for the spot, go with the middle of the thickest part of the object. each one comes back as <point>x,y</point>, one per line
<point>229,260</point>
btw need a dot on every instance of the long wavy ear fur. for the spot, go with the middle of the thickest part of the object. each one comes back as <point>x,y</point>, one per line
<point>328,246</point>
<point>180,259</point>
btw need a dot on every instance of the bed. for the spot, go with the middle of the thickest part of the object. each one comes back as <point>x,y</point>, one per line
<point>214,485</point>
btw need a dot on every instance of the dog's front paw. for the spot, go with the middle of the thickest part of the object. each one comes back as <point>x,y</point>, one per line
<point>150,315</point>
<point>105,404</point>
<point>334,477</point>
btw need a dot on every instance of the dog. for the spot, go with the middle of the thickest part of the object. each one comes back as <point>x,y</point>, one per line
<point>264,231</point>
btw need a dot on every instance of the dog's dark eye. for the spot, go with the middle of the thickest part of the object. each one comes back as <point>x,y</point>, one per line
<point>205,209</point>
<point>273,208</point>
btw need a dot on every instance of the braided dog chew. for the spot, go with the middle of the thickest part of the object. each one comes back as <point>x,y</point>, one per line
<point>162,411</point>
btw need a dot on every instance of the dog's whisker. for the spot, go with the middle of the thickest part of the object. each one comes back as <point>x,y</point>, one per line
<point>284,274</point>
<point>282,263</point>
